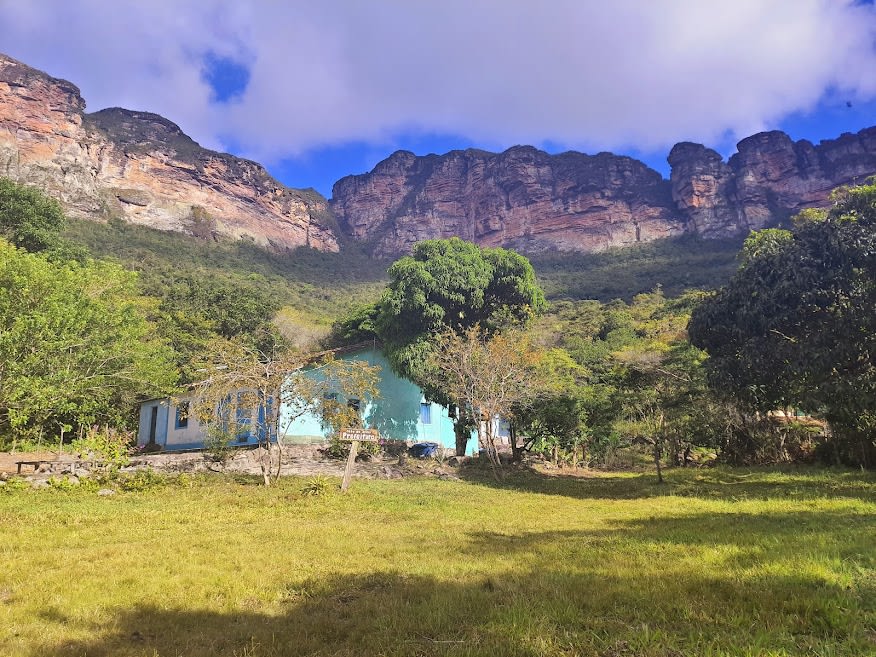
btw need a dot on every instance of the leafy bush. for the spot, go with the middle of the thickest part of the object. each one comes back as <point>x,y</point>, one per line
<point>110,447</point>
<point>141,480</point>
<point>14,484</point>
<point>217,444</point>
<point>62,483</point>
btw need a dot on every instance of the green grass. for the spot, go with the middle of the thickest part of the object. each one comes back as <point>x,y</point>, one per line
<point>715,562</point>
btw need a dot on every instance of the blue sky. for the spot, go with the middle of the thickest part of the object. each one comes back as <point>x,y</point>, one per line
<point>316,91</point>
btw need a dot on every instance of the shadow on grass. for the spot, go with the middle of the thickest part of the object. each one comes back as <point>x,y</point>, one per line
<point>734,484</point>
<point>541,611</point>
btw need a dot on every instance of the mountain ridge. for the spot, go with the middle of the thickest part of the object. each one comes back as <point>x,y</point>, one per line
<point>531,200</point>
<point>141,167</point>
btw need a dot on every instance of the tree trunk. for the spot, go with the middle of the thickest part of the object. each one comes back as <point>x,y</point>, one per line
<point>657,462</point>
<point>265,462</point>
<point>460,430</point>
<point>492,451</point>
<point>658,448</point>
<point>516,451</point>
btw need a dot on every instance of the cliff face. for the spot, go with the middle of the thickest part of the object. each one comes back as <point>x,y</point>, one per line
<point>141,167</point>
<point>527,199</point>
<point>770,178</point>
<point>522,198</point>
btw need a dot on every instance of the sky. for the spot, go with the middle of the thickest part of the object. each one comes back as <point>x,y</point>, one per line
<point>319,90</point>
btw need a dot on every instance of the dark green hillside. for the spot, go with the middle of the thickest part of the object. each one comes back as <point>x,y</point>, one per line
<point>674,264</point>
<point>323,285</point>
<point>316,286</point>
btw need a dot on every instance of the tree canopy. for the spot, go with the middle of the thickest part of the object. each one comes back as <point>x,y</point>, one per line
<point>75,343</point>
<point>28,218</point>
<point>450,285</point>
<point>796,326</point>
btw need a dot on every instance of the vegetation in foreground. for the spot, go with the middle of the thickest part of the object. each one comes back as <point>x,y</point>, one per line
<point>714,562</point>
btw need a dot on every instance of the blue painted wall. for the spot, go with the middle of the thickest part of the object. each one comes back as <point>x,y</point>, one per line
<point>399,412</point>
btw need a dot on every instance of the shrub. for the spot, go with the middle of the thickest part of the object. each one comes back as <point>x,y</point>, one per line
<point>109,447</point>
<point>141,480</point>
<point>316,486</point>
<point>217,444</point>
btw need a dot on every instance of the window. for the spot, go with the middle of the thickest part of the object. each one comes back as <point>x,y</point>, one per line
<point>355,404</point>
<point>426,413</point>
<point>182,415</point>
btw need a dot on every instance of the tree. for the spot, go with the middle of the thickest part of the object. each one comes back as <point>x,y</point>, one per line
<point>75,345</point>
<point>487,377</point>
<point>245,389</point>
<point>639,381</point>
<point>554,416</point>
<point>450,285</point>
<point>28,218</point>
<point>796,326</point>
<point>195,309</point>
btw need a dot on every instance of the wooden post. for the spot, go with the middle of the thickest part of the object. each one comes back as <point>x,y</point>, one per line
<point>348,471</point>
<point>354,436</point>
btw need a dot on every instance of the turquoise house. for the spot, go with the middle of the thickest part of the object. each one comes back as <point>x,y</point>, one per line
<point>400,412</point>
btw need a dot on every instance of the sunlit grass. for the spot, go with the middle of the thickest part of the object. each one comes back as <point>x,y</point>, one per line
<point>717,562</point>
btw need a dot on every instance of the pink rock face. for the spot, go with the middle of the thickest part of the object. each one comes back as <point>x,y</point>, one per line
<point>142,168</point>
<point>769,179</point>
<point>522,198</point>
<point>529,200</point>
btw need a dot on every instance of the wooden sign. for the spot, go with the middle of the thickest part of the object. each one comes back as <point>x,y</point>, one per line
<point>354,437</point>
<point>359,435</point>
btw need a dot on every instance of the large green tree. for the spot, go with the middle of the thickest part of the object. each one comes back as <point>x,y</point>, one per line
<point>75,345</point>
<point>194,309</point>
<point>28,218</point>
<point>796,326</point>
<point>450,285</point>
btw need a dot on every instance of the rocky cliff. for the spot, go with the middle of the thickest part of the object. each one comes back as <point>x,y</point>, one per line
<point>769,178</point>
<point>527,199</point>
<point>142,168</point>
<point>521,198</point>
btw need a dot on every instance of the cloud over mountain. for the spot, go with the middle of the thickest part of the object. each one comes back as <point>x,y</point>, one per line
<point>585,75</point>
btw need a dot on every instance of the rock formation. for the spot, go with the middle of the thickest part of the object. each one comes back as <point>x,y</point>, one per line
<point>142,168</point>
<point>522,198</point>
<point>527,199</point>
<point>769,178</point>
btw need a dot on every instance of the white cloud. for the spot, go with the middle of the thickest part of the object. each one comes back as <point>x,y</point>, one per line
<point>590,75</point>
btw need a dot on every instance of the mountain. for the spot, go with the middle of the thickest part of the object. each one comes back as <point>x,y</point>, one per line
<point>142,168</point>
<point>522,198</point>
<point>530,200</point>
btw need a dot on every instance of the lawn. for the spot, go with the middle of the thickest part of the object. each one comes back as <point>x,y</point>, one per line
<point>715,562</point>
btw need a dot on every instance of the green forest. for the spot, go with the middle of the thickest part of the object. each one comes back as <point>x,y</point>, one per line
<point>669,353</point>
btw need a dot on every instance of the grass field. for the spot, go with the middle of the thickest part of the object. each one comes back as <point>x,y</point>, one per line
<point>715,562</point>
